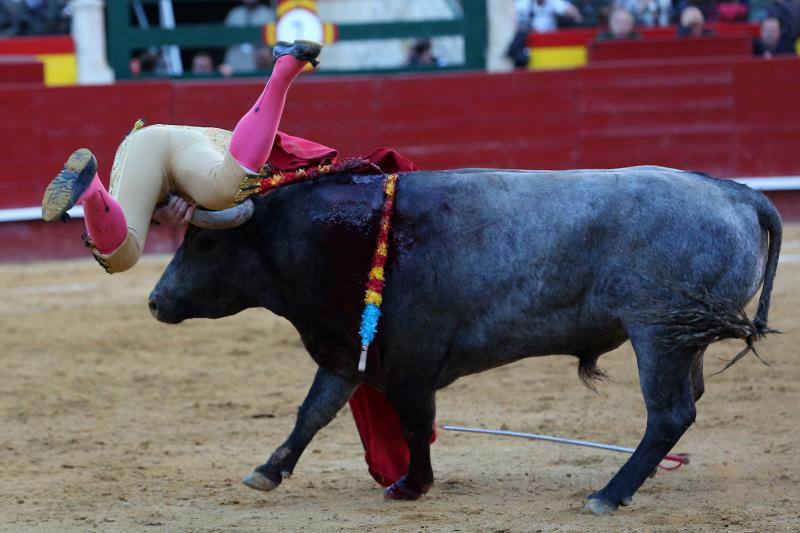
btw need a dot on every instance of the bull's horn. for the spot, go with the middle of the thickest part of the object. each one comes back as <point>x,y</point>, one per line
<point>225,219</point>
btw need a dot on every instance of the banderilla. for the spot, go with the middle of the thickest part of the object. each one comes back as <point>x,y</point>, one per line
<point>677,459</point>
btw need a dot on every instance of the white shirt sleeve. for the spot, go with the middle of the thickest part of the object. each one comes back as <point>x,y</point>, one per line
<point>522,7</point>
<point>559,6</point>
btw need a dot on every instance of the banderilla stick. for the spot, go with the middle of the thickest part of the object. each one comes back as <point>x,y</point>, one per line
<point>677,459</point>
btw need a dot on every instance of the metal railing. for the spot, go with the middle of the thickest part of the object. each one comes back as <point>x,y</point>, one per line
<point>125,38</point>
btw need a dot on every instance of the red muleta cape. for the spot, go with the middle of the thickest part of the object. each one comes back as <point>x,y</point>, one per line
<point>385,449</point>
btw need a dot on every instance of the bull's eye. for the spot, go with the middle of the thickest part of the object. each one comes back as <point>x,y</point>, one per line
<point>205,243</point>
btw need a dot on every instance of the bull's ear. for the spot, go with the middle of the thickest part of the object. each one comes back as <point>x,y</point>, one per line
<point>225,219</point>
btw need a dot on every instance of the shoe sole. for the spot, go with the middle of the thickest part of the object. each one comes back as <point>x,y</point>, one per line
<point>307,51</point>
<point>66,188</point>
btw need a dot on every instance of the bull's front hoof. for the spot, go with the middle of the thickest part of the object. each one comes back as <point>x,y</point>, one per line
<point>401,490</point>
<point>258,481</point>
<point>599,507</point>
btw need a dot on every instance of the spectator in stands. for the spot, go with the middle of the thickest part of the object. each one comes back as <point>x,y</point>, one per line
<point>264,58</point>
<point>733,11</point>
<point>620,26</point>
<point>421,55</point>
<point>693,23</point>
<point>648,12</point>
<point>202,63</point>
<point>770,43</point>
<point>594,13</point>
<point>37,17</point>
<point>263,61</point>
<point>148,62</point>
<point>242,57</point>
<point>542,15</point>
<point>788,14</point>
<point>709,8</point>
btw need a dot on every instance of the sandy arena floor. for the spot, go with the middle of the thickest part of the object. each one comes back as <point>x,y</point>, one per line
<point>114,422</point>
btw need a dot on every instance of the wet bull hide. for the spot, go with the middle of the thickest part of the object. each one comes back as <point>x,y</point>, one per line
<point>487,267</point>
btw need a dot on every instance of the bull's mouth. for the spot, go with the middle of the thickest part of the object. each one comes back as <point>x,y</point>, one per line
<point>159,314</point>
<point>168,320</point>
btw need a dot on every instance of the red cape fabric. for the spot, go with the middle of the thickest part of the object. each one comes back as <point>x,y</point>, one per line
<point>385,448</point>
<point>290,152</point>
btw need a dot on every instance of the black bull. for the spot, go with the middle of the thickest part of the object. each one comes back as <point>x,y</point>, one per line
<point>487,267</point>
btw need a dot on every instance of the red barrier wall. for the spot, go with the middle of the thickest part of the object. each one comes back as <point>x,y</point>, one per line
<point>671,48</point>
<point>586,36</point>
<point>728,118</point>
<point>21,69</point>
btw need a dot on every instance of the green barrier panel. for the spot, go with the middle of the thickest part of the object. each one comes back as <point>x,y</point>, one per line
<point>124,38</point>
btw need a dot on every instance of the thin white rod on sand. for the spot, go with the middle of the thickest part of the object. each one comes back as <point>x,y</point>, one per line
<point>534,436</point>
<point>542,437</point>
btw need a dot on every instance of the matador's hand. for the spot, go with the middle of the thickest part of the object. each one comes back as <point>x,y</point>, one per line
<point>177,212</point>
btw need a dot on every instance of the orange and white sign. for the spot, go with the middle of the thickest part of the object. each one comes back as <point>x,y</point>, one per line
<point>299,20</point>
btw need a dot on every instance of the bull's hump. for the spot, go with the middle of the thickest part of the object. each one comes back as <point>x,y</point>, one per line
<point>495,175</point>
<point>484,180</point>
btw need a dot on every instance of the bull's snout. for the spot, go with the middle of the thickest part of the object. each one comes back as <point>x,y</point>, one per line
<point>164,309</point>
<point>153,308</point>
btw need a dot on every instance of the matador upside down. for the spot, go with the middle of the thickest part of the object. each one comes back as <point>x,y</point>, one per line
<point>208,166</point>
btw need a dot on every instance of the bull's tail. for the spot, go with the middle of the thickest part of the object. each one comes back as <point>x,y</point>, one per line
<point>708,318</point>
<point>770,221</point>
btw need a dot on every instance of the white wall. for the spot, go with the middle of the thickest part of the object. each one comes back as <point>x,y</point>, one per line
<point>502,25</point>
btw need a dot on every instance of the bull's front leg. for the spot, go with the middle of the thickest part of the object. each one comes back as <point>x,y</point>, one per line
<point>327,396</point>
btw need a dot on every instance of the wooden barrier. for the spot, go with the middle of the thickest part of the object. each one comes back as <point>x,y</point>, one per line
<point>55,52</point>
<point>586,36</point>
<point>569,48</point>
<point>671,48</point>
<point>727,118</point>
<point>21,69</point>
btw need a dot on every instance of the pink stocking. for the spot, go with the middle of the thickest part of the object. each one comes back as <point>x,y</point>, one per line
<point>254,134</point>
<point>105,221</point>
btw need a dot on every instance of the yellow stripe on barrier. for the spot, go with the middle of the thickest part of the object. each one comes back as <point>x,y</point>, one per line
<point>555,57</point>
<point>59,69</point>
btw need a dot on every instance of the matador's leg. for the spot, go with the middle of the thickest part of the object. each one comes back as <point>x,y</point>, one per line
<point>78,183</point>
<point>255,133</point>
<point>116,222</point>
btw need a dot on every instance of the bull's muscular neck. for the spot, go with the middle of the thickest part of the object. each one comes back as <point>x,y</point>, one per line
<point>317,241</point>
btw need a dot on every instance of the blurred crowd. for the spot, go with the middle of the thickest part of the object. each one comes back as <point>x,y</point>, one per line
<point>615,19</point>
<point>779,19</point>
<point>251,57</point>
<point>33,17</point>
<point>241,58</point>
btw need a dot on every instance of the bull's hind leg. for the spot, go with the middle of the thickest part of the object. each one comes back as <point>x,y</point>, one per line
<point>327,396</point>
<point>665,378</point>
<point>416,408</point>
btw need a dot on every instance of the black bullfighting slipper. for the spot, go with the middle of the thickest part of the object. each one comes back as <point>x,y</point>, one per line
<point>302,50</point>
<point>67,187</point>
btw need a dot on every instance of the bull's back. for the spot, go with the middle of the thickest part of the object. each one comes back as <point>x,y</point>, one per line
<point>543,262</point>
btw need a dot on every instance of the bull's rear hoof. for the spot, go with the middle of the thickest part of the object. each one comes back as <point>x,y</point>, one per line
<point>401,491</point>
<point>599,507</point>
<point>258,481</point>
